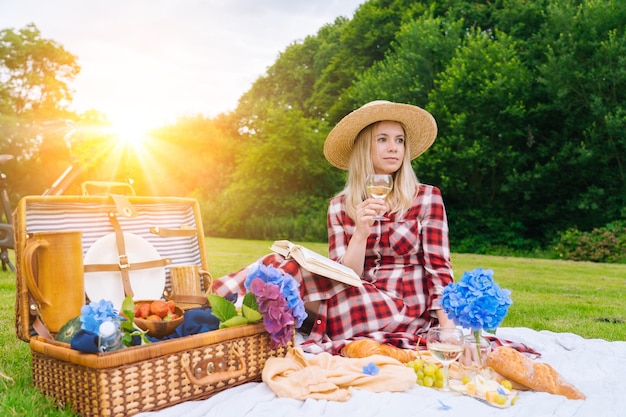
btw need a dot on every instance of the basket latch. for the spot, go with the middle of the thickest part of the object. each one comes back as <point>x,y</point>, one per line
<point>213,370</point>
<point>123,206</point>
<point>209,367</point>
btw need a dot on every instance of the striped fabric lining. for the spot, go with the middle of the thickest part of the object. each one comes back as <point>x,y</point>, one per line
<point>93,221</point>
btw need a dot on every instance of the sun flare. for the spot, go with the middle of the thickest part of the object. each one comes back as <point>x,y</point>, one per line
<point>133,131</point>
<point>131,148</point>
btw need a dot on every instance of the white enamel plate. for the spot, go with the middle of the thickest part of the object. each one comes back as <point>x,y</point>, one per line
<point>147,284</point>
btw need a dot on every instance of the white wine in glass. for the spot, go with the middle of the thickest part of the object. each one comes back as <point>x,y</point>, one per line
<point>446,345</point>
<point>379,186</point>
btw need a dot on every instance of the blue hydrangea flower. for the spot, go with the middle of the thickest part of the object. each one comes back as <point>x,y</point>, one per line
<point>92,315</point>
<point>476,302</point>
<point>290,290</point>
<point>371,369</point>
<point>267,273</point>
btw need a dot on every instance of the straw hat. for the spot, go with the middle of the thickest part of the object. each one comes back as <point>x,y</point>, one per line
<point>421,129</point>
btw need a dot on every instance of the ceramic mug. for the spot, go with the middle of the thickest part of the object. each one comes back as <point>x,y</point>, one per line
<point>53,268</point>
<point>186,280</point>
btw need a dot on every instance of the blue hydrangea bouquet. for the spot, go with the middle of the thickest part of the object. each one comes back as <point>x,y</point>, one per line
<point>476,302</point>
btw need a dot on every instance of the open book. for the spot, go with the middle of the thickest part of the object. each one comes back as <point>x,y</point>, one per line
<point>316,263</point>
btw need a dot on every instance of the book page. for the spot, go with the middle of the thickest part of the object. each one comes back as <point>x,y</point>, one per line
<point>316,263</point>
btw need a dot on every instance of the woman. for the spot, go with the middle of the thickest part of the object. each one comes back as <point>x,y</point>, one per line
<point>404,262</point>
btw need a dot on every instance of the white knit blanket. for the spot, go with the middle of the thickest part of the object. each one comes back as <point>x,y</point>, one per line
<point>596,367</point>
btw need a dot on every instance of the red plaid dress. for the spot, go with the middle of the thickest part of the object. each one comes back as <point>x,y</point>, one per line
<point>407,264</point>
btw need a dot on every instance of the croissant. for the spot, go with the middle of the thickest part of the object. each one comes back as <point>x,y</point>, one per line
<point>366,347</point>
<point>537,376</point>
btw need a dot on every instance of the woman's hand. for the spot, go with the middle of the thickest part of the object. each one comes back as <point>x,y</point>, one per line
<point>366,211</point>
<point>470,356</point>
<point>443,319</point>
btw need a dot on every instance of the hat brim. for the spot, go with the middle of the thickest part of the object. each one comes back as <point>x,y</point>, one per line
<point>420,125</point>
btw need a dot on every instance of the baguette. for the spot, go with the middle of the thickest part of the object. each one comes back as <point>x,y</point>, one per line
<point>537,376</point>
<point>366,347</point>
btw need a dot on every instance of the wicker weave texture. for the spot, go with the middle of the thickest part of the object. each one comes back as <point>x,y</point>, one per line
<point>147,385</point>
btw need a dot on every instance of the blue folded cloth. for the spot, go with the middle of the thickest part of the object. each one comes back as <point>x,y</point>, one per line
<point>85,341</point>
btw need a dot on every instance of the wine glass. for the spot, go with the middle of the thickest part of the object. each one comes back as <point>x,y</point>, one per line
<point>446,345</point>
<point>379,186</point>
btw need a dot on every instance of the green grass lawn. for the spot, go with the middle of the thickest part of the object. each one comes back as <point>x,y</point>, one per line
<point>579,297</point>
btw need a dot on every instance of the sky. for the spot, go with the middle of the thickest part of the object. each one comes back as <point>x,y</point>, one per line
<point>148,62</point>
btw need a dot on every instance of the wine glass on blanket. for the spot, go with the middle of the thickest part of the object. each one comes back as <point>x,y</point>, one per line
<point>446,345</point>
<point>379,186</point>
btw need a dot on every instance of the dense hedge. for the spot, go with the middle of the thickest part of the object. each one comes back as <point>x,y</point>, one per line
<point>602,244</point>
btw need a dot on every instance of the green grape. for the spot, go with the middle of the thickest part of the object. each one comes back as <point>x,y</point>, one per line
<point>428,374</point>
<point>430,369</point>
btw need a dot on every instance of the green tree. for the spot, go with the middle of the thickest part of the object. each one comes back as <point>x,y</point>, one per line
<point>35,74</point>
<point>363,41</point>
<point>282,174</point>
<point>579,148</point>
<point>480,103</point>
<point>422,50</point>
<point>290,81</point>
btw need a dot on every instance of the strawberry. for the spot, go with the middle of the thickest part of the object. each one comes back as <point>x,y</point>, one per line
<point>160,308</point>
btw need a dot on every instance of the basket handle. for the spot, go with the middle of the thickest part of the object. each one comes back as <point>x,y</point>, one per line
<point>209,371</point>
<point>107,186</point>
<point>207,281</point>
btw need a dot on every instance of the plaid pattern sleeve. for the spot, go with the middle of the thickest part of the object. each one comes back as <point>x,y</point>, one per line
<point>340,228</point>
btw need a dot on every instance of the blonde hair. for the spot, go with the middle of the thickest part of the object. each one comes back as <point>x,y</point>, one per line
<point>405,181</point>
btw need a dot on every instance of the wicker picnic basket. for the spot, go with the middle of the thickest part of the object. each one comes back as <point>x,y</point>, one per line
<point>139,378</point>
<point>151,377</point>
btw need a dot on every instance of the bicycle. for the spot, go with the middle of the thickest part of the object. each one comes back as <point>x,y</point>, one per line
<point>7,239</point>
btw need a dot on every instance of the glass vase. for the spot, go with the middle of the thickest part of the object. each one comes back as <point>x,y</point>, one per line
<point>478,348</point>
